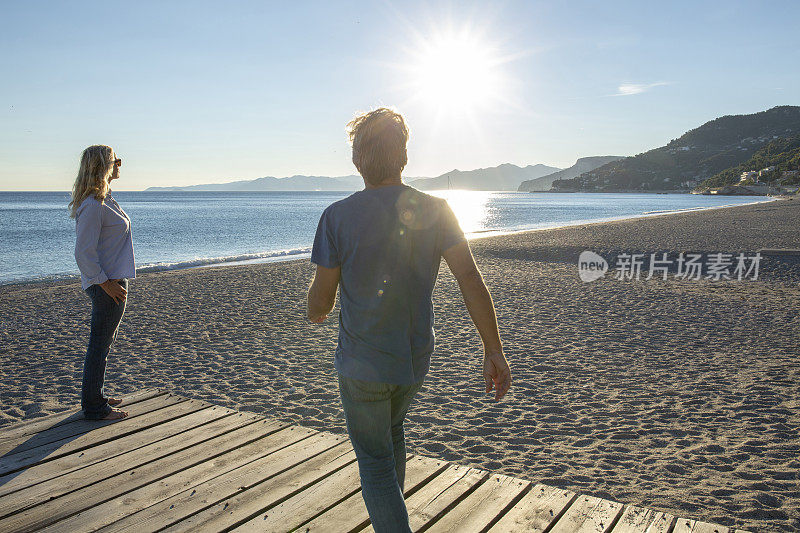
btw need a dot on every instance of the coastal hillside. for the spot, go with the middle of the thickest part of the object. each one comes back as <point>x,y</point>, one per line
<point>584,164</point>
<point>781,156</point>
<point>505,177</point>
<point>694,157</point>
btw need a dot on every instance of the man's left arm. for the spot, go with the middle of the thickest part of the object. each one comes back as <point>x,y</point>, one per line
<point>322,293</point>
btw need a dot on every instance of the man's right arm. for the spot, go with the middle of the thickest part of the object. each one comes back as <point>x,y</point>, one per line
<point>481,309</point>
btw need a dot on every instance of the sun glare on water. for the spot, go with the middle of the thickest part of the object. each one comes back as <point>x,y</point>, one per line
<point>470,208</point>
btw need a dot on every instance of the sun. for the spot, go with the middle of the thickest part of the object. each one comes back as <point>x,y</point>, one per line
<point>456,72</point>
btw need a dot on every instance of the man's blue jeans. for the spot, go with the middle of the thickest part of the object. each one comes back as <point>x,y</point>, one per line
<point>374,413</point>
<point>106,316</point>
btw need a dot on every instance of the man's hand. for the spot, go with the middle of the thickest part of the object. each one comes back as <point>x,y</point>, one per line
<point>496,373</point>
<point>481,309</point>
<point>114,290</point>
<point>322,293</point>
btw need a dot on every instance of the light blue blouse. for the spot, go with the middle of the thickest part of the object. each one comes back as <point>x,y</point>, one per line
<point>103,244</point>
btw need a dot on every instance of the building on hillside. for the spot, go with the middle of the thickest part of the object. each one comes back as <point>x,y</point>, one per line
<point>764,172</point>
<point>749,175</point>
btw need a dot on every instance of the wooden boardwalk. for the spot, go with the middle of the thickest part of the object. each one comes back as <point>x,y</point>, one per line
<point>178,464</point>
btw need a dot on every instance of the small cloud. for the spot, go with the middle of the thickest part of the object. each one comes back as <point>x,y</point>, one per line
<point>628,89</point>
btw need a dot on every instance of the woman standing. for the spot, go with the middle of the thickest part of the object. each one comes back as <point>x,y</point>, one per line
<point>104,253</point>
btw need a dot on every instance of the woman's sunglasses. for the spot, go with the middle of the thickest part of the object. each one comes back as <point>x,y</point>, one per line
<point>118,162</point>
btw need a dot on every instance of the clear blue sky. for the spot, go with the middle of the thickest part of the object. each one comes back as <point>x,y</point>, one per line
<point>200,92</point>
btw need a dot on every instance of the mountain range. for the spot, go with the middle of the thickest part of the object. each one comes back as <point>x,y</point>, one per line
<point>584,164</point>
<point>292,183</point>
<point>505,177</point>
<point>710,154</point>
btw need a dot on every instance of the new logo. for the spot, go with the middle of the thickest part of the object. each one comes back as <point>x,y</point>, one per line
<point>591,266</point>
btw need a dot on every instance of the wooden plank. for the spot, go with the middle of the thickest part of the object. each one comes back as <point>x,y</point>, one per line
<point>215,451</point>
<point>54,450</point>
<point>435,499</point>
<point>641,520</point>
<point>588,514</point>
<point>480,509</point>
<point>63,465</point>
<point>536,511</point>
<point>153,482</point>
<point>79,427</point>
<point>186,465</point>
<point>351,513</point>
<point>309,503</point>
<point>99,470</point>
<point>253,498</point>
<point>685,525</point>
<point>36,425</point>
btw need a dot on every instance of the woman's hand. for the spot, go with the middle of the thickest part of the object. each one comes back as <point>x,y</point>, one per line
<point>115,290</point>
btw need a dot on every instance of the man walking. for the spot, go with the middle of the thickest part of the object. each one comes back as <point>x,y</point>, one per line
<point>383,245</point>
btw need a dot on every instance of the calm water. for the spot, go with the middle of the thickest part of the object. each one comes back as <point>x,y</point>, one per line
<point>185,229</point>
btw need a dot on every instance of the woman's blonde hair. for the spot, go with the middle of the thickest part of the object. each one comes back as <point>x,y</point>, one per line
<point>379,144</point>
<point>97,164</point>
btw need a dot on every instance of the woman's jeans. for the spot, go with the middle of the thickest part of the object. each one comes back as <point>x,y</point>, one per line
<point>106,316</point>
<point>374,413</point>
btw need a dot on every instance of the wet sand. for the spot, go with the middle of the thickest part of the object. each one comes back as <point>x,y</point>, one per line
<point>679,395</point>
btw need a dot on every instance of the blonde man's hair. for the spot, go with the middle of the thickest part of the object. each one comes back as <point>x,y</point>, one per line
<point>97,164</point>
<point>379,140</point>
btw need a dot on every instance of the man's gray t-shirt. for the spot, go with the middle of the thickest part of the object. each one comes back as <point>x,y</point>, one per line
<point>389,243</point>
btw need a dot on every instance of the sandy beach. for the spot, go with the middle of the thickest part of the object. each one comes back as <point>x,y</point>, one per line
<point>679,395</point>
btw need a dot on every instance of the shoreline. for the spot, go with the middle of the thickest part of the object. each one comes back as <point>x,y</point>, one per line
<point>283,256</point>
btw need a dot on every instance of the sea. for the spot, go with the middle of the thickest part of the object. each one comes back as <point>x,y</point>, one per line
<point>175,230</point>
